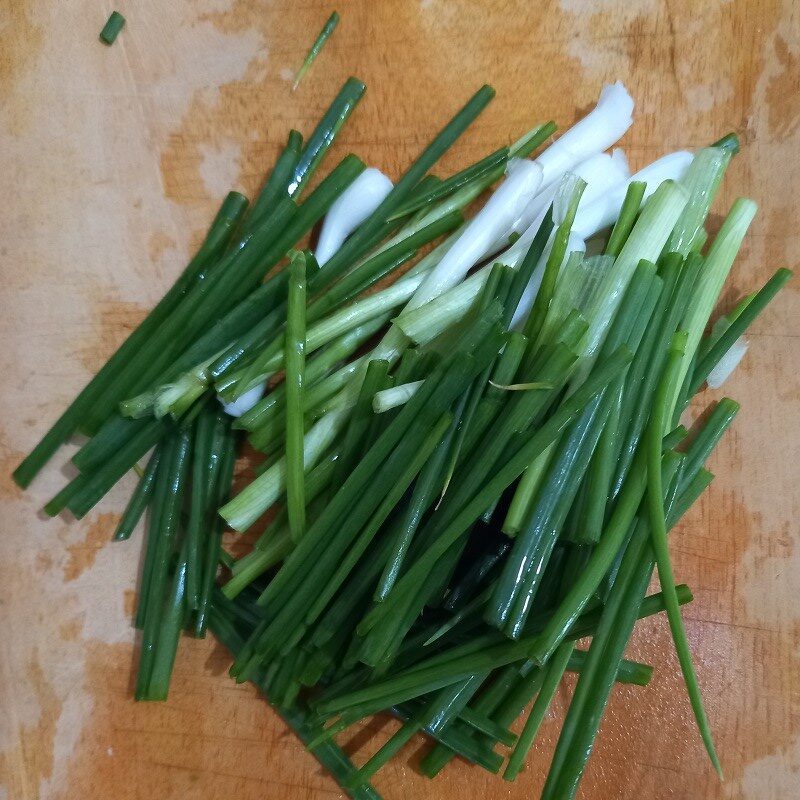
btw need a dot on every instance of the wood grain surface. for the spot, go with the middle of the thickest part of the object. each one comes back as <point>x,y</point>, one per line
<point>112,161</point>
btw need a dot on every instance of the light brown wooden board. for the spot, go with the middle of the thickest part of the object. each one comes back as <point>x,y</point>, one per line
<point>112,162</point>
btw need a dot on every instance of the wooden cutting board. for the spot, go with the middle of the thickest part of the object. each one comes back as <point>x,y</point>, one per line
<point>112,161</point>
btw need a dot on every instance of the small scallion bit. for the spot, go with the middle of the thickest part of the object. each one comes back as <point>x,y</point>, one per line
<point>114,24</point>
<point>319,42</point>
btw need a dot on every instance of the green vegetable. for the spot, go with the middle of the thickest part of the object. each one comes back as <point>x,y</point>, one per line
<point>295,387</point>
<point>139,499</point>
<point>324,34</point>
<point>658,527</point>
<point>114,24</point>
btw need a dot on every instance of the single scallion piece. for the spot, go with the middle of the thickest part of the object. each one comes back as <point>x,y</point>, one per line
<point>176,475</point>
<point>114,24</point>
<point>552,677</point>
<point>319,42</point>
<point>530,140</point>
<point>277,184</point>
<point>627,216</point>
<point>139,499</point>
<point>449,185</point>
<point>718,263</point>
<point>388,399</point>
<point>658,526</point>
<point>325,134</point>
<point>295,359</point>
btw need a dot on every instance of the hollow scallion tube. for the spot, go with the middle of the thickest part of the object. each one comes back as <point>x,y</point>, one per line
<point>174,617</point>
<point>451,184</point>
<point>223,457</point>
<point>200,515</point>
<point>555,671</point>
<point>323,36</point>
<point>701,181</point>
<point>176,476</point>
<point>387,399</point>
<point>658,528</point>
<point>531,139</point>
<point>627,216</point>
<point>718,263</point>
<point>645,241</point>
<point>277,184</point>
<point>422,497</point>
<point>139,499</point>
<point>114,24</point>
<point>376,376</point>
<point>295,359</point>
<point>325,134</point>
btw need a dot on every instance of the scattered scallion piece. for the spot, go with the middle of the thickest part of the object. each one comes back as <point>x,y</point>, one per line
<point>319,42</point>
<point>111,29</point>
<point>658,527</point>
<point>139,499</point>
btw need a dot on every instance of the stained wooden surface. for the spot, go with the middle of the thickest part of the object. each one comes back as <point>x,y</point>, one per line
<point>112,161</point>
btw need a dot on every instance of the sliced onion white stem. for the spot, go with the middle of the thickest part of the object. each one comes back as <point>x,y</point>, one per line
<point>601,128</point>
<point>350,209</point>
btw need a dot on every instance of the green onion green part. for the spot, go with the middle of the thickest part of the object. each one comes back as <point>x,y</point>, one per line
<point>324,34</point>
<point>114,24</point>
<point>295,359</point>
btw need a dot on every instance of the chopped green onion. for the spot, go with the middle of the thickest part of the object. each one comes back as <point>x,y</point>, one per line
<point>295,360</point>
<point>139,499</point>
<point>552,677</point>
<point>111,29</point>
<point>175,481</point>
<point>277,184</point>
<point>658,528</point>
<point>365,236</point>
<point>476,171</point>
<point>319,42</point>
<point>709,284</point>
<point>530,140</point>
<point>627,216</point>
<point>564,209</point>
<point>324,134</point>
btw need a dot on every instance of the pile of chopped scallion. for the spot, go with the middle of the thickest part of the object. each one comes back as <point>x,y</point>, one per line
<point>469,469</point>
